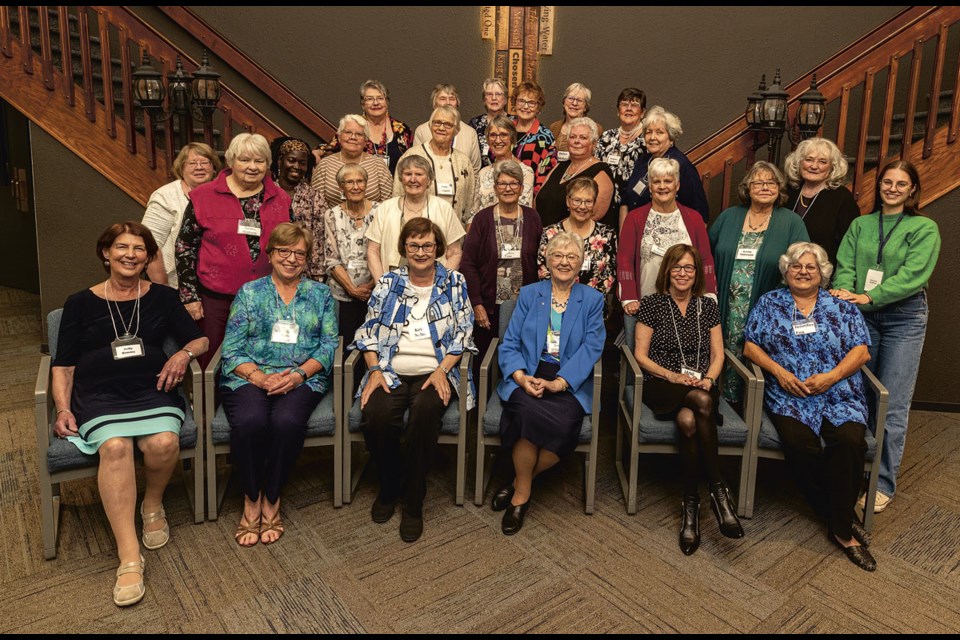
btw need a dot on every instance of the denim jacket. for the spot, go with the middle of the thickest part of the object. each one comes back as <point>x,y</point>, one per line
<point>450,318</point>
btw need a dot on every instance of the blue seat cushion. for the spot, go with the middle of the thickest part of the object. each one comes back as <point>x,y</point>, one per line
<point>449,424</point>
<point>732,433</point>
<point>770,439</point>
<point>491,420</point>
<point>322,422</point>
<point>63,455</point>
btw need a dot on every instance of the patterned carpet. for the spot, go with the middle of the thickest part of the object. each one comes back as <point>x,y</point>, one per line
<point>336,571</point>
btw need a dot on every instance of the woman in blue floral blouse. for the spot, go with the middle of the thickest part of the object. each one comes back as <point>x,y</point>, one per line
<point>813,345</point>
<point>419,324</point>
<point>277,357</point>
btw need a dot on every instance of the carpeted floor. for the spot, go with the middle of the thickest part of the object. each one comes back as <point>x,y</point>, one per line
<point>336,571</point>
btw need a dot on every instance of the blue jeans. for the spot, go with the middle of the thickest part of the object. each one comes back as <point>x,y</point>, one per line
<point>896,333</point>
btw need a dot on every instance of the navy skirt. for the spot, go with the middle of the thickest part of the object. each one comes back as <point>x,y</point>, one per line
<point>551,422</point>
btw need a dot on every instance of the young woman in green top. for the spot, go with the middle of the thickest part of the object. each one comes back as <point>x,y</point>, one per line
<point>883,265</point>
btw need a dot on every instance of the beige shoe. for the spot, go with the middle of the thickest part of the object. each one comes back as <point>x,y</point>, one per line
<point>879,504</point>
<point>131,594</point>
<point>155,539</point>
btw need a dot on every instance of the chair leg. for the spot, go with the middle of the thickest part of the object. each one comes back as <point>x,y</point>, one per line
<point>49,516</point>
<point>590,471</point>
<point>211,473</point>
<point>478,485</point>
<point>461,462</point>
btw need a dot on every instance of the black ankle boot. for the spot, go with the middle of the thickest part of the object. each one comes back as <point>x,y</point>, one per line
<point>689,524</point>
<point>725,510</point>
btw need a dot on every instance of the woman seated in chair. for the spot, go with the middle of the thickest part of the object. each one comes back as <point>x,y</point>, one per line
<point>277,356</point>
<point>813,345</point>
<point>554,338</point>
<point>419,324</point>
<point>115,388</point>
<point>680,349</point>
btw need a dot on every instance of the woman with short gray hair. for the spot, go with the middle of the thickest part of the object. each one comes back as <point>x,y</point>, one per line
<point>502,140</point>
<point>576,104</point>
<point>354,136</point>
<point>495,106</point>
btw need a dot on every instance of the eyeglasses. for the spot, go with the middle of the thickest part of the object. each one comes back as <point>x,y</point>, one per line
<point>353,134</point>
<point>686,268</point>
<point>426,247</point>
<point>493,94</point>
<point>886,183</point>
<point>440,124</point>
<point>374,99</point>
<point>356,182</point>
<point>763,184</point>
<point>630,103</point>
<point>560,257</point>
<point>527,103</point>
<point>809,268</point>
<point>197,164</point>
<point>574,100</point>
<point>507,186</point>
<point>498,136</point>
<point>285,253</point>
<point>579,202</point>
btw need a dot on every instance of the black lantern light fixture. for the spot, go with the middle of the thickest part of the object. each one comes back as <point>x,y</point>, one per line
<point>752,114</point>
<point>812,109</point>
<point>767,110</point>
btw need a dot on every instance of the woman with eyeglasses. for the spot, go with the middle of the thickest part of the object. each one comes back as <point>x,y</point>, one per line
<point>454,179</point>
<point>501,135</point>
<point>495,106</point>
<point>680,349</point>
<point>196,164</point>
<point>884,265</point>
<point>812,345</point>
<point>535,142</point>
<point>353,135</point>
<point>599,266</point>
<point>747,242</point>
<point>277,358</point>
<point>500,252</point>
<point>621,147</point>
<point>576,104</point>
<point>419,324</point>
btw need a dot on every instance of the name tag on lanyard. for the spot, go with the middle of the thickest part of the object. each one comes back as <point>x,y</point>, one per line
<point>693,373</point>
<point>418,330</point>
<point>804,327</point>
<point>612,159</point>
<point>657,250</point>
<point>509,252</point>
<point>285,332</point>
<point>746,253</point>
<point>127,347</point>
<point>563,156</point>
<point>553,342</point>
<point>445,189</point>
<point>248,227</point>
<point>874,279</point>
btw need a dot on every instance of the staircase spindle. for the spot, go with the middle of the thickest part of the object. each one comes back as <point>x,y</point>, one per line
<point>727,183</point>
<point>66,54</point>
<point>955,111</point>
<point>844,111</point>
<point>168,127</point>
<point>865,110</point>
<point>5,31</point>
<point>46,51</point>
<point>908,122</point>
<point>887,126</point>
<point>126,74</point>
<point>934,107</point>
<point>86,61</point>
<point>26,50</point>
<point>106,64</point>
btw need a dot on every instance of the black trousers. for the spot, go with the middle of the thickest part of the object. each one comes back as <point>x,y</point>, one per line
<point>829,473</point>
<point>402,469</point>
<point>266,435</point>
<point>351,316</point>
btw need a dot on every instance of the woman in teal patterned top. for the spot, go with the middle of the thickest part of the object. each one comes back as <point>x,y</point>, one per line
<point>747,243</point>
<point>277,357</point>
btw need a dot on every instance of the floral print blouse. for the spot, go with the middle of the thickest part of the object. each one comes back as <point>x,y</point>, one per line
<point>308,208</point>
<point>346,246</point>
<point>257,308</point>
<point>599,256</point>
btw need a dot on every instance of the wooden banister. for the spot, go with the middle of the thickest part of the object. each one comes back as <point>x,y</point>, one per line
<point>242,63</point>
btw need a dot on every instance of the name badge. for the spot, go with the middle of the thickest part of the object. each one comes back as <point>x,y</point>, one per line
<point>640,188</point>
<point>484,150</point>
<point>127,347</point>
<point>586,264</point>
<point>386,160</point>
<point>356,264</point>
<point>563,156</point>
<point>285,332</point>
<point>553,342</point>
<point>612,158</point>
<point>658,250</point>
<point>874,278</point>
<point>804,327</point>
<point>691,372</point>
<point>248,227</point>
<point>444,188</point>
<point>746,253</point>
<point>509,252</point>
<point>418,330</point>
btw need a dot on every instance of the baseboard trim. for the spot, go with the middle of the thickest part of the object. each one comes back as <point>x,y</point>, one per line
<point>948,407</point>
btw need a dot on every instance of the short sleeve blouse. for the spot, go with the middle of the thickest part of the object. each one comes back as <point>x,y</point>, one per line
<point>678,340</point>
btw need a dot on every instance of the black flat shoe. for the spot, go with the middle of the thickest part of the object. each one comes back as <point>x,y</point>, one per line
<point>858,555</point>
<point>382,511</point>
<point>501,499</point>
<point>513,518</point>
<point>725,511</point>
<point>411,526</point>
<point>690,524</point>
<point>860,534</point>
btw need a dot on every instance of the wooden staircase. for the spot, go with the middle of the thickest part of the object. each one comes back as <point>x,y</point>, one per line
<point>901,77</point>
<point>70,71</point>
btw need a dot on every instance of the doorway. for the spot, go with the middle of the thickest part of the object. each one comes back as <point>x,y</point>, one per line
<point>19,267</point>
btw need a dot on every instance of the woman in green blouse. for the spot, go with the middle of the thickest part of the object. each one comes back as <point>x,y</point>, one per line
<point>747,242</point>
<point>883,265</point>
<point>277,357</point>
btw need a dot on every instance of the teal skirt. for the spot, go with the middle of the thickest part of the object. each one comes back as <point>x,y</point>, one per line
<point>94,433</point>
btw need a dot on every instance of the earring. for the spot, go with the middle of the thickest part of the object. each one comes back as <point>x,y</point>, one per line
<point>106,263</point>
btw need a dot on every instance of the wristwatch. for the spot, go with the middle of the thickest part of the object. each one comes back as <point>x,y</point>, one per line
<point>302,373</point>
<point>446,371</point>
<point>189,353</point>
<point>713,381</point>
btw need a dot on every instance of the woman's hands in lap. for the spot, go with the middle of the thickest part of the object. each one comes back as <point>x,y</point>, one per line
<point>438,380</point>
<point>173,371</point>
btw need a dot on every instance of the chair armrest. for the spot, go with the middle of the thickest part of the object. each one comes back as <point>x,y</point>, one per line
<point>882,398</point>
<point>209,374</point>
<point>43,408</point>
<point>489,369</point>
<point>465,364</point>
<point>740,368</point>
<point>209,385</point>
<point>352,364</point>
<point>595,412</point>
<point>629,366</point>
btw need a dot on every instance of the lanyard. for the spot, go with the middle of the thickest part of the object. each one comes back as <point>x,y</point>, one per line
<point>517,229</point>
<point>292,306</point>
<point>683,361</point>
<point>436,177</point>
<point>883,240</point>
<point>809,206</point>
<point>136,309</point>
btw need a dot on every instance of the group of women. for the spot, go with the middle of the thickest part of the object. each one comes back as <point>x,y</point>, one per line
<point>424,248</point>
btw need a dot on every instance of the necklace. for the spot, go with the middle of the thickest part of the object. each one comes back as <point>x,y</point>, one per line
<point>410,209</point>
<point>127,326</point>
<point>763,222</point>
<point>629,136</point>
<point>572,172</point>
<point>556,303</point>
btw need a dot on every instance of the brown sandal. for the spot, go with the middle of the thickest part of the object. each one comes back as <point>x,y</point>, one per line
<point>273,524</point>
<point>246,529</point>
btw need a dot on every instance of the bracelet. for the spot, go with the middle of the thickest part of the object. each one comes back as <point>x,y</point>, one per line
<point>713,381</point>
<point>250,375</point>
<point>444,369</point>
<point>189,353</point>
<point>59,411</point>
<point>375,367</point>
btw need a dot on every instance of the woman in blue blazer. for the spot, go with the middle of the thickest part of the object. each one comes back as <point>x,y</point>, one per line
<point>554,338</point>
